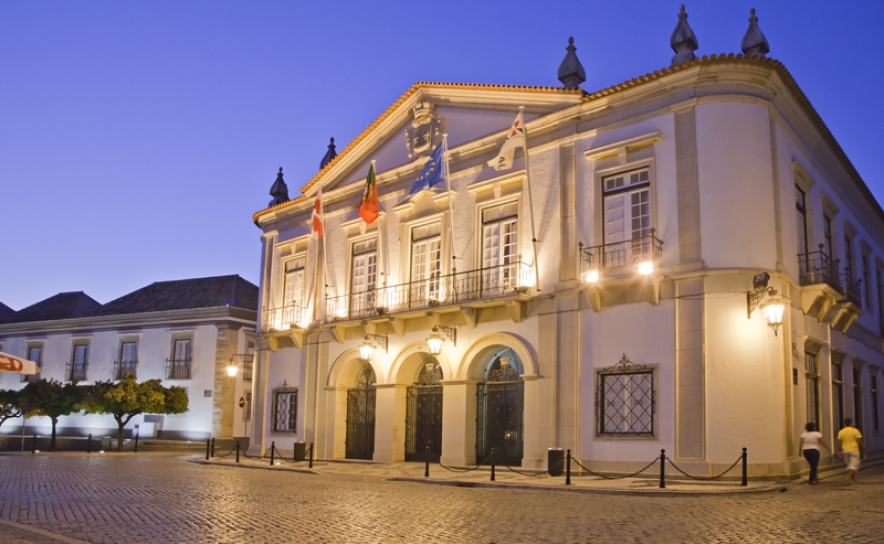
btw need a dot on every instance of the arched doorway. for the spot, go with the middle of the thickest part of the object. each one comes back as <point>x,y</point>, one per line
<point>500,401</point>
<point>423,419</point>
<point>361,415</point>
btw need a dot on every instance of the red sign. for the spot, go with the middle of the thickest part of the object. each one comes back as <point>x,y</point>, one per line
<point>242,402</point>
<point>11,364</point>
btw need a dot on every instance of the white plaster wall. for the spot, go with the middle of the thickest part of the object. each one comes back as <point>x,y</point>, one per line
<point>287,366</point>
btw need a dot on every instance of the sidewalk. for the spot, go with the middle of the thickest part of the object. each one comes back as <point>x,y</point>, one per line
<point>505,478</point>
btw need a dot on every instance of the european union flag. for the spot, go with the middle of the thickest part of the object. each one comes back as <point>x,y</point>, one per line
<point>433,172</point>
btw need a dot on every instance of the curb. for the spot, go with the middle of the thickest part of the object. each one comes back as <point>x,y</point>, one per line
<point>265,467</point>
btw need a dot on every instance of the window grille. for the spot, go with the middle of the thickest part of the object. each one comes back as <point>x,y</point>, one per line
<point>812,383</point>
<point>285,409</point>
<point>801,216</point>
<point>35,353</point>
<point>625,400</point>
<point>838,391</point>
<point>858,399</point>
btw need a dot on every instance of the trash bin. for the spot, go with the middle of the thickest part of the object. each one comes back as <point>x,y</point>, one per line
<point>105,443</point>
<point>300,452</point>
<point>556,461</point>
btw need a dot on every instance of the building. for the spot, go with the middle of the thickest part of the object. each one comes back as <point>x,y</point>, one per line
<point>184,332</point>
<point>609,298</point>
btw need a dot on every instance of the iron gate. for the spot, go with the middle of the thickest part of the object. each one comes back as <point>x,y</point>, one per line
<point>423,421</point>
<point>499,409</point>
<point>360,417</point>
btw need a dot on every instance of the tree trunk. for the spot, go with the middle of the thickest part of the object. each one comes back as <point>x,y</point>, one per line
<point>120,429</point>
<point>52,442</point>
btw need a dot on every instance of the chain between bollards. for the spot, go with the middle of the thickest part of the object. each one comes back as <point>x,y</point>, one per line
<point>745,481</point>
<point>311,454</point>
<point>492,464</point>
<point>568,468</point>
<point>208,445</point>
<point>213,446</point>
<point>237,450</point>
<point>89,445</point>
<point>662,469</point>
<point>427,462</point>
<point>272,453</point>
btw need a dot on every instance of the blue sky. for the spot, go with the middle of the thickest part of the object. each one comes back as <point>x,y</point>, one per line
<point>137,138</point>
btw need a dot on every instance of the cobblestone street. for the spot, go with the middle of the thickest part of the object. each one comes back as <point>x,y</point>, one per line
<point>167,499</point>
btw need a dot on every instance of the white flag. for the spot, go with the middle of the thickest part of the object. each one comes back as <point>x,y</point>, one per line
<point>515,138</point>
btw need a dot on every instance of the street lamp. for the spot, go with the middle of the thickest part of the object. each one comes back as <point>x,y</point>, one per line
<point>366,350</point>
<point>767,298</point>
<point>435,340</point>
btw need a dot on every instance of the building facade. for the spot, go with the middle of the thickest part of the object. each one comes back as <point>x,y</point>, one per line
<point>185,333</point>
<point>606,294</point>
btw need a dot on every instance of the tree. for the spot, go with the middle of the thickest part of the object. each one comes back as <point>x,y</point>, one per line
<point>10,405</point>
<point>128,398</point>
<point>51,399</point>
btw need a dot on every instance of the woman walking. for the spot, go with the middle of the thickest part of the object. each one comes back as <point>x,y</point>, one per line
<point>810,443</point>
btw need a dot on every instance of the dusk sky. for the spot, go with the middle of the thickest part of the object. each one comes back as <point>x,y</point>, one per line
<point>137,138</point>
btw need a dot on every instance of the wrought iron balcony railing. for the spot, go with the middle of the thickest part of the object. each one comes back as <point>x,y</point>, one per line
<point>287,317</point>
<point>460,287</point>
<point>248,364</point>
<point>851,289</point>
<point>121,368</point>
<point>74,372</point>
<point>178,369</point>
<point>818,267</point>
<point>639,256</point>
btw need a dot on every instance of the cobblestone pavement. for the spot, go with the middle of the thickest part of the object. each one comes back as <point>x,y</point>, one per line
<point>148,499</point>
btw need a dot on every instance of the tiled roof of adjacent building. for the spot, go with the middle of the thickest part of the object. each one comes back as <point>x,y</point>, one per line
<point>189,294</point>
<point>60,306</point>
<point>5,312</point>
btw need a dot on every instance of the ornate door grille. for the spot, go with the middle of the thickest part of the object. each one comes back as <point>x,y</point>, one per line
<point>499,417</point>
<point>360,417</point>
<point>423,422</point>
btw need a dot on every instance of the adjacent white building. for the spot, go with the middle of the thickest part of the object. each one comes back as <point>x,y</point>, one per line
<point>185,333</point>
<point>601,298</point>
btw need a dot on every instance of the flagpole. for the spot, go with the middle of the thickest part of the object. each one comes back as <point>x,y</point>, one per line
<point>450,209</point>
<point>380,229</point>
<point>530,204</point>
<point>324,236</point>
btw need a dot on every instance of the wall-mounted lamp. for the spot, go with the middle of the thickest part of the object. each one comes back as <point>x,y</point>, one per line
<point>435,340</point>
<point>766,297</point>
<point>366,350</point>
<point>232,367</point>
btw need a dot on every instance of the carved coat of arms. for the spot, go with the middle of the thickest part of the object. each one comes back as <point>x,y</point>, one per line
<point>425,132</point>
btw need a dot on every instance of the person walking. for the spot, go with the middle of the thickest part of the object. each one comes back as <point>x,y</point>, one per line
<point>852,448</point>
<point>809,444</point>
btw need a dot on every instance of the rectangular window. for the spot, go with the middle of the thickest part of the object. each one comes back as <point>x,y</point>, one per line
<point>35,353</point>
<point>426,263</point>
<point>874,390</point>
<point>500,248</point>
<point>285,410</point>
<point>828,241</point>
<point>293,288</point>
<point>858,399</point>
<point>627,221</point>
<point>247,409</point>
<point>801,216</point>
<point>625,403</point>
<point>180,363</point>
<point>127,361</point>
<point>867,280</point>
<point>364,278</point>
<point>838,392</point>
<point>812,383</point>
<point>79,362</point>
<point>848,256</point>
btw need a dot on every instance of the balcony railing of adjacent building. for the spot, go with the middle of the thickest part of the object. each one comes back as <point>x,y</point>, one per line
<point>639,256</point>
<point>248,364</point>
<point>818,267</point>
<point>178,369</point>
<point>851,289</point>
<point>287,317</point>
<point>121,368</point>
<point>75,372</point>
<point>439,290</point>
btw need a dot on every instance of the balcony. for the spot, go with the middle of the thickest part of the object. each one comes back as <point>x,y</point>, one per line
<point>818,268</point>
<point>178,369</point>
<point>826,294</point>
<point>75,372</point>
<point>851,289</point>
<point>285,318</point>
<point>458,288</point>
<point>611,270</point>
<point>121,368</point>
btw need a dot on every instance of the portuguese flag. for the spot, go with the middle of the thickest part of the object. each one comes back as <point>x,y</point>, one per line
<point>368,208</point>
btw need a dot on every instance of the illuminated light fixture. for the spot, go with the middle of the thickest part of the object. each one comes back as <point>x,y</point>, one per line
<point>231,370</point>
<point>646,268</point>
<point>366,350</point>
<point>766,297</point>
<point>435,340</point>
<point>592,276</point>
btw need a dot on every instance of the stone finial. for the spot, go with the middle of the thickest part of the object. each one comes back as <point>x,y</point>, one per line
<point>754,42</point>
<point>683,40</point>
<point>279,191</point>
<point>329,155</point>
<point>571,72</point>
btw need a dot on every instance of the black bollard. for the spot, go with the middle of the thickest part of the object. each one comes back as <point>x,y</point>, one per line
<point>136,442</point>
<point>427,462</point>
<point>492,464</point>
<point>213,446</point>
<point>568,468</point>
<point>272,452</point>
<point>745,481</point>
<point>89,444</point>
<point>34,445</point>
<point>311,454</point>
<point>208,444</point>
<point>237,451</point>
<point>662,469</point>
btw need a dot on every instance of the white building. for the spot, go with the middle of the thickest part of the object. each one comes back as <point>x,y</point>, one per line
<point>625,329</point>
<point>185,333</point>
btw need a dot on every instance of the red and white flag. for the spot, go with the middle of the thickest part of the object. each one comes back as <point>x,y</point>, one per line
<point>317,213</point>
<point>515,139</point>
